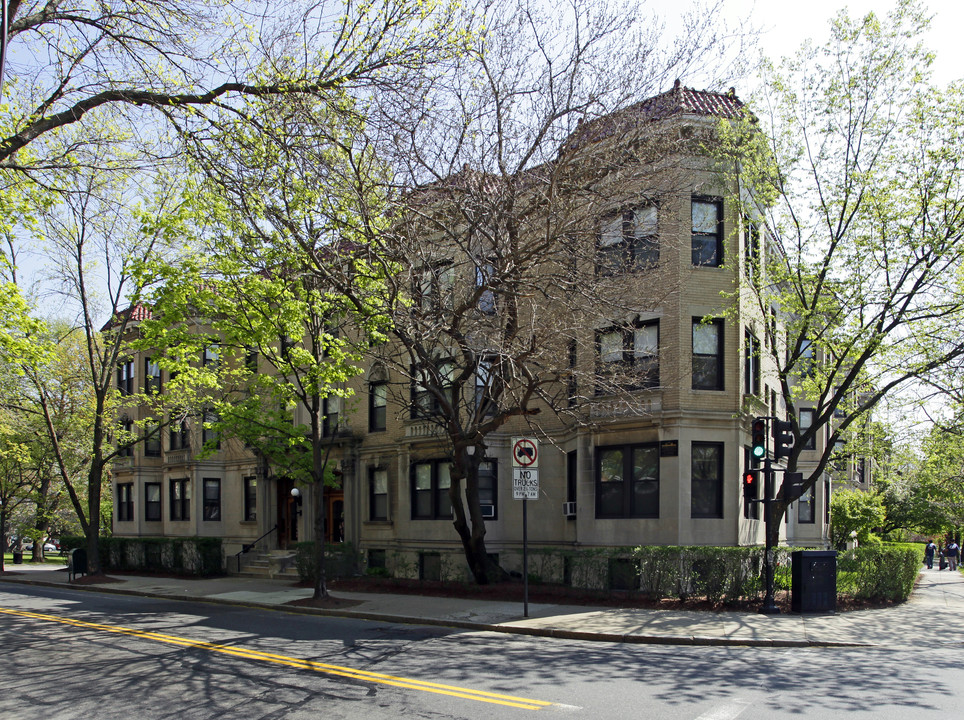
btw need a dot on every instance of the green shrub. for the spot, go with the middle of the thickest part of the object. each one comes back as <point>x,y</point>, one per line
<point>201,556</point>
<point>884,572</point>
<point>341,560</point>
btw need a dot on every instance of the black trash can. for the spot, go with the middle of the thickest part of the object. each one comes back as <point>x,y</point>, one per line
<point>813,581</point>
<point>78,563</point>
<point>17,557</point>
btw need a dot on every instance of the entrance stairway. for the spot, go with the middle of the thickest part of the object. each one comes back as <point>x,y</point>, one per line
<point>269,564</point>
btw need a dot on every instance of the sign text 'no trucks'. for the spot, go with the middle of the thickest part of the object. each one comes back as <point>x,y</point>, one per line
<point>525,484</point>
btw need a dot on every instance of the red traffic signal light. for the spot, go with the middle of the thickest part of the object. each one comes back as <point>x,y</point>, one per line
<point>751,483</point>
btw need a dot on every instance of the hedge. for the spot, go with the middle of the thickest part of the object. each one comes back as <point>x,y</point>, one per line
<point>199,556</point>
<point>718,574</point>
<point>341,560</point>
<point>878,572</point>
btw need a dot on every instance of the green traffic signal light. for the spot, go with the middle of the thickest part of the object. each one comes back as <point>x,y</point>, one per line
<point>759,438</point>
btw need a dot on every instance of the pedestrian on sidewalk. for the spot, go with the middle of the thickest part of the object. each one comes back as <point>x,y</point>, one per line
<point>953,552</point>
<point>929,554</point>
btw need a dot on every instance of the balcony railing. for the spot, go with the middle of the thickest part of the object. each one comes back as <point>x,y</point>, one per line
<point>178,457</point>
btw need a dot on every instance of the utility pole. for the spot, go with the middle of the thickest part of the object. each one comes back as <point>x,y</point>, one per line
<point>769,603</point>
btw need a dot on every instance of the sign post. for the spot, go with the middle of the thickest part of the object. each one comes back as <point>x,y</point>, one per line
<point>525,486</point>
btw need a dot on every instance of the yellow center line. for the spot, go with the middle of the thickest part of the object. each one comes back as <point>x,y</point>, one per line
<point>338,670</point>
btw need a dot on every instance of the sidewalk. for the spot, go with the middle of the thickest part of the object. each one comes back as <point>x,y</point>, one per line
<point>931,617</point>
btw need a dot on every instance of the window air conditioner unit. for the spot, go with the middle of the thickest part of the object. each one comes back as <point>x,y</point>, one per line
<point>569,509</point>
<point>488,511</point>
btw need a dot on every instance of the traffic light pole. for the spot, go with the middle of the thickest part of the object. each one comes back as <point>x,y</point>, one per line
<point>769,603</point>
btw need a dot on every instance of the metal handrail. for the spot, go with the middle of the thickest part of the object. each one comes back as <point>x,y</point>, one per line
<point>250,546</point>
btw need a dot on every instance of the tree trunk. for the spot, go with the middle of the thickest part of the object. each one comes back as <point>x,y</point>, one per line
<point>94,480</point>
<point>3,537</point>
<point>471,529</point>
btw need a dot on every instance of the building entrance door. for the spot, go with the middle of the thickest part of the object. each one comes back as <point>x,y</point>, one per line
<point>334,516</point>
<point>288,511</point>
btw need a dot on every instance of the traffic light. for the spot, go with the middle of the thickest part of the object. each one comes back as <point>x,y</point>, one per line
<point>759,438</point>
<point>782,438</point>
<point>751,483</point>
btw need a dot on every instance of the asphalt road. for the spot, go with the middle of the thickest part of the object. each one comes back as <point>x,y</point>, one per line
<point>70,654</point>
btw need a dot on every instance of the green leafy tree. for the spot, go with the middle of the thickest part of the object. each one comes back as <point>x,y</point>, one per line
<point>855,511</point>
<point>94,93</point>
<point>930,497</point>
<point>854,160</point>
<point>286,342</point>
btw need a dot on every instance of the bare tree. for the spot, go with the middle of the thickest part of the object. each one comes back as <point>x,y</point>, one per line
<point>525,233</point>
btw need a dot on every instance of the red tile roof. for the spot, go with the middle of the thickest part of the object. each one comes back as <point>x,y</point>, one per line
<point>679,100</point>
<point>135,313</point>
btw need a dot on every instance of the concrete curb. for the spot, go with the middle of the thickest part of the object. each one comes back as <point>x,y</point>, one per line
<point>555,633</point>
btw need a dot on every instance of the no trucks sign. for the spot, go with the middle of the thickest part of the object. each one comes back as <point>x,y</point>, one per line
<point>525,469</point>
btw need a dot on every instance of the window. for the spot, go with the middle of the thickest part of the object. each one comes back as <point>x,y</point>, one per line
<point>434,287</point>
<point>250,499</point>
<point>251,359</point>
<point>330,407</point>
<point>628,241</point>
<point>180,437</point>
<point>840,460</point>
<point>707,214</point>
<point>210,437</point>
<point>706,483</point>
<point>630,356</point>
<point>211,509</point>
<point>125,447</point>
<point>707,354</point>
<point>770,337</point>
<point>377,406</point>
<point>180,499</point>
<point>484,280</point>
<point>751,364</point>
<point>806,360</point>
<point>751,238</point>
<point>152,502</point>
<point>571,469</point>
<point>211,357</point>
<point>489,487</point>
<point>429,566</point>
<point>377,558</point>
<point>806,422</point>
<point>627,481</point>
<point>805,513</point>
<point>125,377</point>
<point>152,439</point>
<point>430,490</point>
<point>125,502</point>
<point>377,494</point>
<point>485,401</point>
<point>152,377</point>
<point>572,384</point>
<point>424,401</point>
